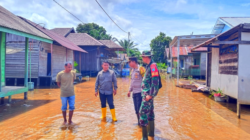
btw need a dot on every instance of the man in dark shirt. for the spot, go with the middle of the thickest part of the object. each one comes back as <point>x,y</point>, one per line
<point>106,83</point>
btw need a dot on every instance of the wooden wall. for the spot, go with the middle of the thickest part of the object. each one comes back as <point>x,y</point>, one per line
<point>70,56</point>
<point>58,59</point>
<point>89,60</point>
<point>227,83</point>
<point>228,60</point>
<point>43,53</point>
<point>15,62</point>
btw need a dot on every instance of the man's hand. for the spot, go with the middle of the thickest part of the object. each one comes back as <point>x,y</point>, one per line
<point>129,94</point>
<point>96,94</point>
<point>148,97</point>
<point>114,92</point>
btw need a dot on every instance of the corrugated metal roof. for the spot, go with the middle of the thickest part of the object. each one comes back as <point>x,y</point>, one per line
<point>234,21</point>
<point>62,31</point>
<point>111,45</point>
<point>186,50</point>
<point>11,21</point>
<point>214,38</point>
<point>83,39</point>
<point>59,39</point>
<point>182,51</point>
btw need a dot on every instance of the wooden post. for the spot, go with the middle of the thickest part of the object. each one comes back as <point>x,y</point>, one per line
<point>2,59</point>
<point>238,109</point>
<point>1,46</point>
<point>26,65</point>
<point>80,62</point>
<point>51,72</point>
<point>9,100</point>
<point>2,100</point>
<point>178,59</point>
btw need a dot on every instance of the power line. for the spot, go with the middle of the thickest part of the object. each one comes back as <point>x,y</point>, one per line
<point>110,17</point>
<point>69,12</point>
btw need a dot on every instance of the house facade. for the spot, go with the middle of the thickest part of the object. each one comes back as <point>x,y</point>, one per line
<point>16,37</point>
<point>98,50</point>
<point>190,63</point>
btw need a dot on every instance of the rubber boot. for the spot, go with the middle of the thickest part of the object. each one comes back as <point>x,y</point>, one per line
<point>64,113</point>
<point>151,129</point>
<point>138,118</point>
<point>70,116</point>
<point>104,112</point>
<point>144,133</point>
<point>113,114</point>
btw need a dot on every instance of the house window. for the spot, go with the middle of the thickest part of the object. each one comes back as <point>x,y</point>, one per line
<point>182,63</point>
<point>195,61</point>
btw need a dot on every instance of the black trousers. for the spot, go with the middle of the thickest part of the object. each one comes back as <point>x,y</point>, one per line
<point>137,101</point>
<point>104,98</point>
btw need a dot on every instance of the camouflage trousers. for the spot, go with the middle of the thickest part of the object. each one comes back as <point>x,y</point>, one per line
<point>146,112</point>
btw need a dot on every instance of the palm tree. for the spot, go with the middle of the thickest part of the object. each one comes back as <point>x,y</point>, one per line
<point>128,45</point>
<point>108,37</point>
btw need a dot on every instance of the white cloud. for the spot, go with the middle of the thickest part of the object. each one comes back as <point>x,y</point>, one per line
<point>173,17</point>
<point>245,4</point>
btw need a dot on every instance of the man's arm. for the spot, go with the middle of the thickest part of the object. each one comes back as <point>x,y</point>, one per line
<point>154,86</point>
<point>58,80</point>
<point>114,81</point>
<point>97,83</point>
<point>58,84</point>
<point>154,80</point>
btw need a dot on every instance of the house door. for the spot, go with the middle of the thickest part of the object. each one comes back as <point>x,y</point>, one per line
<point>48,64</point>
<point>209,60</point>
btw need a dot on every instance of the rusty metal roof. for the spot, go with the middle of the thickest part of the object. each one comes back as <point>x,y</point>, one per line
<point>11,21</point>
<point>59,39</point>
<point>83,39</point>
<point>112,45</point>
<point>63,31</point>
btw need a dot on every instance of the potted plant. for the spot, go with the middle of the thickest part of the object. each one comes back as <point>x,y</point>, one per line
<point>218,96</point>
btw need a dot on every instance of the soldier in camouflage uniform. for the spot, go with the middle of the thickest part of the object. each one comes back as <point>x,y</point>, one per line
<point>150,87</point>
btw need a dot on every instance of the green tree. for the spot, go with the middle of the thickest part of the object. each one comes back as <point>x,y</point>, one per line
<point>94,30</point>
<point>158,45</point>
<point>127,45</point>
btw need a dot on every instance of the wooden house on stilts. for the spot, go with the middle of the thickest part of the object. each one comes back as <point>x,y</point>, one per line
<point>46,59</point>
<point>227,63</point>
<point>16,37</point>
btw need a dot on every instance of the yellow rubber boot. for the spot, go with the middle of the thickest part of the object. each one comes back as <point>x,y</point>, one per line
<point>113,114</point>
<point>104,112</point>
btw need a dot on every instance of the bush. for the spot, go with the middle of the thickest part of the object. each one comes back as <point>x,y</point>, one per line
<point>162,66</point>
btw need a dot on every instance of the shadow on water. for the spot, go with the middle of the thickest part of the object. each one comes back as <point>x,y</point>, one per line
<point>19,106</point>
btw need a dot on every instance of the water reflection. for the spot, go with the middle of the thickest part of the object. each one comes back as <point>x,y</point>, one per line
<point>180,114</point>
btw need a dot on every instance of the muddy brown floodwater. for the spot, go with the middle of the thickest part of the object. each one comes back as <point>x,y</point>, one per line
<point>180,115</point>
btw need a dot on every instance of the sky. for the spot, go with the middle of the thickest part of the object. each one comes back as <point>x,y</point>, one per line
<point>144,19</point>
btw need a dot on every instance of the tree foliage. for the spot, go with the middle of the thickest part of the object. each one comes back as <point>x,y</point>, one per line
<point>130,48</point>
<point>94,30</point>
<point>127,44</point>
<point>158,45</point>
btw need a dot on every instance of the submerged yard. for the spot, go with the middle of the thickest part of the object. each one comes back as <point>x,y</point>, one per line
<point>180,114</point>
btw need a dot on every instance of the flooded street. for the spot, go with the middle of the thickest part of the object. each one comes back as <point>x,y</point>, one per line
<point>180,114</point>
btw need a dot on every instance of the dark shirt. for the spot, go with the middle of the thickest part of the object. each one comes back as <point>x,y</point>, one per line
<point>106,82</point>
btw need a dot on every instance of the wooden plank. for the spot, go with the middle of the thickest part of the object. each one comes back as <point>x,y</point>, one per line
<point>7,30</point>
<point>13,91</point>
<point>231,42</point>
